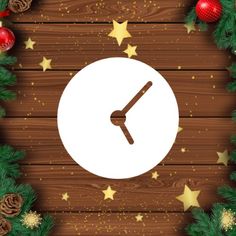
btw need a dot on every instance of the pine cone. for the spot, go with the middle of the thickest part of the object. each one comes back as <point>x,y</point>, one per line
<point>11,204</point>
<point>18,6</point>
<point>5,226</point>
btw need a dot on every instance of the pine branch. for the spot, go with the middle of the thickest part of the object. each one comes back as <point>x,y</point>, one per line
<point>2,112</point>
<point>7,60</point>
<point>6,77</point>
<point>228,193</point>
<point>191,17</point>
<point>7,95</point>
<point>233,156</point>
<point>8,157</point>
<point>231,87</point>
<point>233,139</point>
<point>3,5</point>
<point>234,115</point>
<point>232,70</point>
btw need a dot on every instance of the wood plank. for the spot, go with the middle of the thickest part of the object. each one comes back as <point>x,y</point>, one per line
<point>201,138</point>
<point>116,224</point>
<point>161,46</point>
<point>198,93</point>
<point>105,10</point>
<point>137,194</point>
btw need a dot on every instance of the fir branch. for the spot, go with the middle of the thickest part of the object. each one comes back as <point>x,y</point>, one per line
<point>233,139</point>
<point>6,95</point>
<point>7,60</point>
<point>233,156</point>
<point>228,193</point>
<point>8,157</point>
<point>6,77</point>
<point>232,70</point>
<point>3,5</point>
<point>191,17</point>
<point>231,87</point>
<point>234,115</point>
<point>2,112</point>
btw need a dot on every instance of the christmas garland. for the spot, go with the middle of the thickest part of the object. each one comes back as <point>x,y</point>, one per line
<point>16,217</point>
<point>222,218</point>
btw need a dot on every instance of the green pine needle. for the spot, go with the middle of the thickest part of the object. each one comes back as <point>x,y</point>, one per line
<point>3,5</point>
<point>233,139</point>
<point>234,115</point>
<point>231,87</point>
<point>228,193</point>
<point>232,70</point>
<point>225,38</point>
<point>2,112</point>
<point>7,95</point>
<point>6,77</point>
<point>7,60</point>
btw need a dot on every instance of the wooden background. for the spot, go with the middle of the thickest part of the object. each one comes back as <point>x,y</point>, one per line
<point>74,34</point>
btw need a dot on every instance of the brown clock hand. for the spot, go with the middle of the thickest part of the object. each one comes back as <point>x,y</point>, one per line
<point>143,90</point>
<point>118,119</point>
<point>127,133</point>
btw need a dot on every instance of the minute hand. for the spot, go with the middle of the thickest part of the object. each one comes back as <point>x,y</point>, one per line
<point>142,91</point>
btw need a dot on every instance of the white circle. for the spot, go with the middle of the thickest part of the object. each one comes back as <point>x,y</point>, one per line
<point>98,145</point>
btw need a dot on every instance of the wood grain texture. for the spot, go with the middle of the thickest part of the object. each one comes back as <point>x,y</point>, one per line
<point>117,224</point>
<point>192,65</point>
<point>201,138</point>
<point>105,10</point>
<point>198,93</point>
<point>136,194</point>
<point>72,46</point>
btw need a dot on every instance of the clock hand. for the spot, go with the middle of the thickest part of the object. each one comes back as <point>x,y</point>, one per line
<point>118,119</point>
<point>127,133</point>
<point>136,97</point>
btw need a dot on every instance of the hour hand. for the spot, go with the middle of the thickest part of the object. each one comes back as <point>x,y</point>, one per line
<point>118,119</point>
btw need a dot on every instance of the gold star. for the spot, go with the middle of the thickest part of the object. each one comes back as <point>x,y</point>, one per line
<point>189,198</point>
<point>119,31</point>
<point>46,63</point>
<point>109,193</point>
<point>155,175</point>
<point>65,197</point>
<point>180,129</point>
<point>139,217</point>
<point>130,51</point>
<point>29,44</point>
<point>223,157</point>
<point>190,27</point>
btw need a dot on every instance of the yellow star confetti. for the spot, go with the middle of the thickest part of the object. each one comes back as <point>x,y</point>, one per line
<point>29,44</point>
<point>190,27</point>
<point>109,193</point>
<point>46,63</point>
<point>180,129</point>
<point>130,51</point>
<point>65,197</point>
<point>155,175</point>
<point>139,217</point>
<point>119,31</point>
<point>189,198</point>
<point>223,157</point>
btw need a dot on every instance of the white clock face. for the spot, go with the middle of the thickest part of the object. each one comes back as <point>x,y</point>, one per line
<point>121,144</point>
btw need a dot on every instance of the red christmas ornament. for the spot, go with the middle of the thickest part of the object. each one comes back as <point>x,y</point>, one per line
<point>209,10</point>
<point>7,39</point>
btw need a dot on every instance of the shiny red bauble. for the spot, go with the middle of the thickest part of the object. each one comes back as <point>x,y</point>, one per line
<point>7,39</point>
<point>209,10</point>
